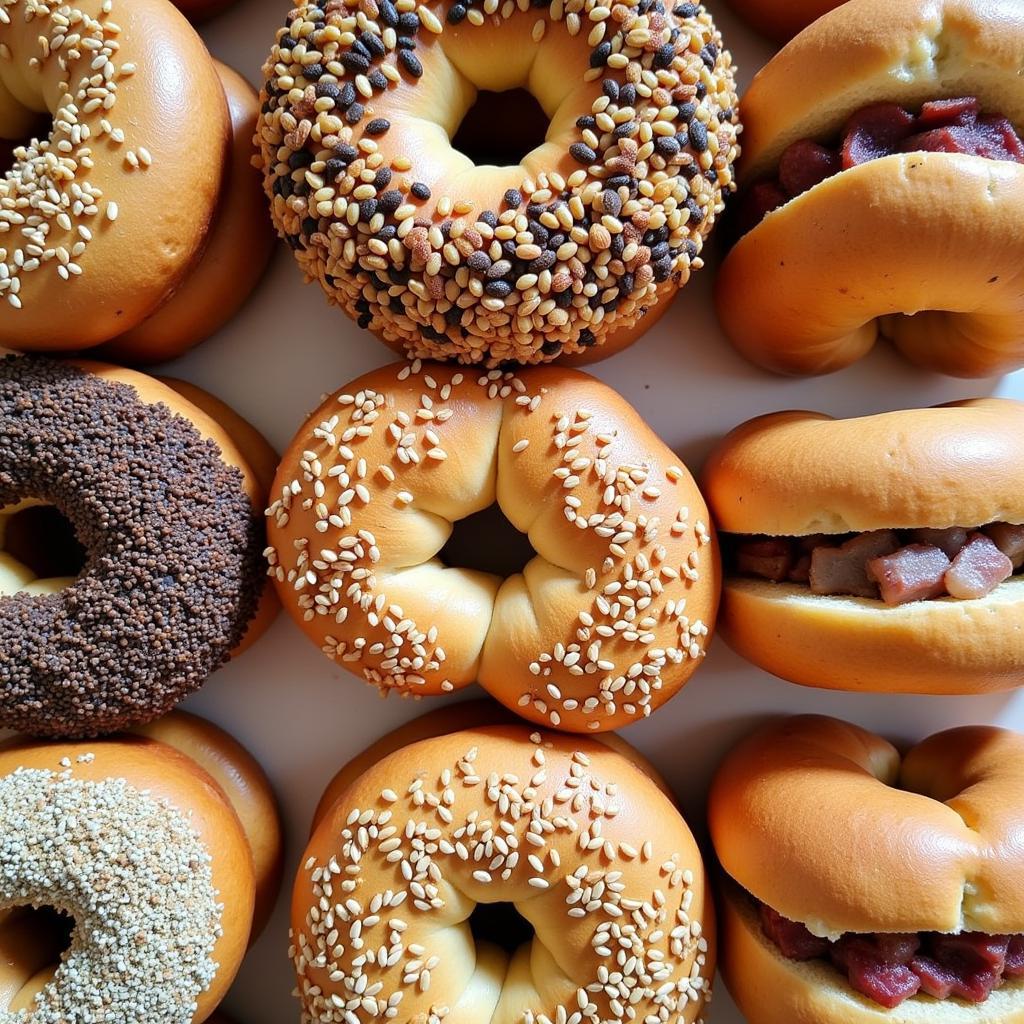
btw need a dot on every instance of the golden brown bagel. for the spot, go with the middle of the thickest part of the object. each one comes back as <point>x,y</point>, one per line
<point>781,19</point>
<point>800,473</point>
<point>236,254</point>
<point>261,460</point>
<point>938,853</point>
<point>446,246</point>
<point>607,509</point>
<point>153,772</point>
<point>470,714</point>
<point>246,785</point>
<point>942,280</point>
<point>495,786</point>
<point>153,195</point>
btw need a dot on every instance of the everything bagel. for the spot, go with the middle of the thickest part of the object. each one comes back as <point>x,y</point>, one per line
<point>573,251</point>
<point>588,849</point>
<point>604,624</point>
<point>944,281</point>
<point>908,881</point>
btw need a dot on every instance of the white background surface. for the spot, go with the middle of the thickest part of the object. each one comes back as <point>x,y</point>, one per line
<point>303,716</point>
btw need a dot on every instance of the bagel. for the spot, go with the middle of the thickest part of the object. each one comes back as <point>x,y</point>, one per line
<point>585,847</point>
<point>943,281</point>
<point>780,20</point>
<point>917,479</point>
<point>603,625</point>
<point>572,251</point>
<point>162,907</point>
<point>201,10</point>
<point>120,195</point>
<point>235,258</point>
<point>167,509</point>
<point>920,852</point>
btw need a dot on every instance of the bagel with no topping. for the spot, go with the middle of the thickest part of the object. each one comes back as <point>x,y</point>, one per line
<point>880,553</point>
<point>499,814</point>
<point>862,247</point>
<point>166,506</point>
<point>602,626</point>
<point>908,880</point>
<point>162,909</point>
<point>573,251</point>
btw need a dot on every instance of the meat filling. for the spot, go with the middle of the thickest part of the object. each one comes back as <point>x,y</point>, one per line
<point>889,969</point>
<point>943,126</point>
<point>894,566</point>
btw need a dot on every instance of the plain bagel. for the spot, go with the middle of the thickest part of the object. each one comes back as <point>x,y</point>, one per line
<point>604,625</point>
<point>588,849</point>
<point>146,158</point>
<point>163,908</point>
<point>801,475</point>
<point>923,844</point>
<point>942,280</point>
<point>573,251</point>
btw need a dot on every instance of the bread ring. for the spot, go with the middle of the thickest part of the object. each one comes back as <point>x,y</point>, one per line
<point>556,255</point>
<point>782,19</point>
<point>942,280</point>
<point>929,845</point>
<point>605,624</point>
<point>587,848</point>
<point>181,515</point>
<point>137,213</point>
<point>793,475</point>
<point>162,907</point>
<point>240,245</point>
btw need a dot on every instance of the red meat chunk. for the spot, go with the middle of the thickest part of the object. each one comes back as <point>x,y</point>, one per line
<point>1014,957</point>
<point>877,966</point>
<point>795,942</point>
<point>914,573</point>
<point>1010,540</point>
<point>874,132</point>
<point>941,113</point>
<point>978,569</point>
<point>843,569</point>
<point>968,966</point>
<point>757,202</point>
<point>950,540</point>
<point>768,557</point>
<point>805,164</point>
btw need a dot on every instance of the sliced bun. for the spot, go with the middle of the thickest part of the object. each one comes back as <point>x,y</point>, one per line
<point>798,473</point>
<point>771,989</point>
<point>931,844</point>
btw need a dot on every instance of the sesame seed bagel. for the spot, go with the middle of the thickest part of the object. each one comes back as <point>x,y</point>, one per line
<point>236,255</point>
<point>781,19</point>
<point>162,907</point>
<point>120,195</point>
<point>941,279</point>
<point>587,848</point>
<point>166,508</point>
<point>927,843</point>
<point>574,249</point>
<point>603,625</point>
<point>470,714</point>
<point>795,474</point>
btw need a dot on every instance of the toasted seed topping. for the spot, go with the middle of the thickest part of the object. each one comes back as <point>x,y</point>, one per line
<point>136,879</point>
<point>580,256</point>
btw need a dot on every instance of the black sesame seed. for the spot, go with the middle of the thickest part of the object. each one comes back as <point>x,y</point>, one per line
<point>586,337</point>
<point>499,289</point>
<point>508,249</point>
<point>377,79</point>
<point>627,283</point>
<point>662,269</point>
<point>373,44</point>
<point>479,262</point>
<point>549,348</point>
<point>582,153</point>
<point>367,208</point>
<point>354,113</point>
<point>411,63</point>
<point>618,246</point>
<point>585,122</point>
<point>701,90</point>
<point>365,320</point>
<point>456,14</point>
<point>611,89</point>
<point>288,42</point>
<point>564,299</point>
<point>328,90</point>
<point>625,130</point>
<point>513,198</point>
<point>620,180</point>
<point>299,159</point>
<point>664,56</point>
<point>345,152</point>
<point>611,202</point>
<point>388,13</point>
<point>696,213</point>
<point>627,95</point>
<point>354,62</point>
<point>310,226</point>
<point>420,190</point>
<point>387,232</point>
<point>453,316</point>
<point>333,168</point>
<point>600,54</point>
<point>409,23</point>
<point>709,54</point>
<point>686,10</point>
<point>698,136</point>
<point>666,146</point>
<point>534,210</point>
<point>490,218</point>
<point>382,179</point>
<point>405,43</point>
<point>544,261</point>
<point>348,95</point>
<point>357,47</point>
<point>659,251</point>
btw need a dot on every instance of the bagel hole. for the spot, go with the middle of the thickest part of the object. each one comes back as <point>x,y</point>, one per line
<point>54,927</point>
<point>501,925</point>
<point>500,128</point>
<point>39,129</point>
<point>42,538</point>
<point>488,542</point>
